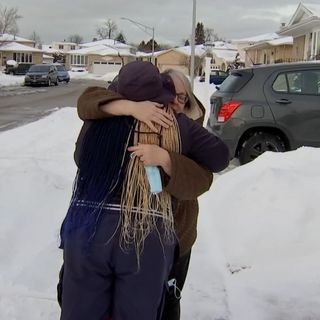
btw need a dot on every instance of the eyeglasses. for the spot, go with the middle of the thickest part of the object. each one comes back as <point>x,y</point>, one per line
<point>182,98</point>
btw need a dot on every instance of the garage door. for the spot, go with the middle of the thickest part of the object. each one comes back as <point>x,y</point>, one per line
<point>103,67</point>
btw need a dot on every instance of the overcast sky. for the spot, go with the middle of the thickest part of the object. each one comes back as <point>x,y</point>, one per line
<point>56,20</point>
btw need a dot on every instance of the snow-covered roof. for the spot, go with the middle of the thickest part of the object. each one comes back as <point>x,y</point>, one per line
<point>199,51</point>
<point>227,55</point>
<point>149,54</point>
<point>48,48</point>
<point>107,42</point>
<point>254,39</point>
<point>45,56</point>
<point>64,42</point>
<point>274,43</point>
<point>11,37</point>
<point>220,45</point>
<point>281,41</point>
<point>102,50</point>
<point>14,46</point>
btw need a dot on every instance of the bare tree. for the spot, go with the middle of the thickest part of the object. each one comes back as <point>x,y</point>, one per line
<point>36,38</point>
<point>107,29</point>
<point>76,38</point>
<point>8,20</point>
<point>208,34</point>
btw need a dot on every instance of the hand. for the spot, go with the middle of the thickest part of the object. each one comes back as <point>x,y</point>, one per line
<point>152,155</point>
<point>150,113</point>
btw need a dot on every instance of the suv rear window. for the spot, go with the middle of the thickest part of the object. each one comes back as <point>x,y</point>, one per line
<point>236,80</point>
<point>60,68</point>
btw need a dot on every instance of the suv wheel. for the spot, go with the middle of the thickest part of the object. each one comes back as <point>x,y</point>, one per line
<point>257,144</point>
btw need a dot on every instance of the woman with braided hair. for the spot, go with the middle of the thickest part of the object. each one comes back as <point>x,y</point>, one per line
<point>119,238</point>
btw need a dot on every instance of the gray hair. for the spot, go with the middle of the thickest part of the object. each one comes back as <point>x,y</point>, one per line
<point>192,103</point>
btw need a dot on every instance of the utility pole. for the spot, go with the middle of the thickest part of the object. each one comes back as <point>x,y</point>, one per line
<point>193,43</point>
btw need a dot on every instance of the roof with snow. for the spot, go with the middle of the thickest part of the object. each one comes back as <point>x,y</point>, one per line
<point>102,50</point>
<point>220,45</point>
<point>199,51</point>
<point>45,56</point>
<point>106,42</point>
<point>277,42</point>
<point>14,46</point>
<point>10,37</point>
<point>254,39</point>
<point>227,55</point>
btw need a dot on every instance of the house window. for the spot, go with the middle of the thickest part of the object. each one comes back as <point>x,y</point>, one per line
<point>79,60</point>
<point>22,57</point>
<point>73,47</point>
<point>60,46</point>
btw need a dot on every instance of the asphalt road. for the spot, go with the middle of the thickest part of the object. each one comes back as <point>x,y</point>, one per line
<point>20,105</point>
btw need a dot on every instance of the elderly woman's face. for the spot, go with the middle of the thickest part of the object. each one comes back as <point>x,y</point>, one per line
<point>181,98</point>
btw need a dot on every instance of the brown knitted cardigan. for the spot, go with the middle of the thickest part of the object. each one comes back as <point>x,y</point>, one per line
<point>188,180</point>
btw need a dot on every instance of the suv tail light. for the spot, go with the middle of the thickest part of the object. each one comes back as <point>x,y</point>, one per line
<point>227,109</point>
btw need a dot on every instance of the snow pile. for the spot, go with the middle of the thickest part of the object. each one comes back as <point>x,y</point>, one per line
<point>9,80</point>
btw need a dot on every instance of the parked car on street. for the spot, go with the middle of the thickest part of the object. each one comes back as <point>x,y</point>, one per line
<point>41,74</point>
<point>216,76</point>
<point>18,69</point>
<point>63,74</point>
<point>267,108</point>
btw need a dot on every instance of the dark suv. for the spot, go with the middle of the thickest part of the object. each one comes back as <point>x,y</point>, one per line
<point>216,77</point>
<point>268,108</point>
<point>39,74</point>
<point>19,69</point>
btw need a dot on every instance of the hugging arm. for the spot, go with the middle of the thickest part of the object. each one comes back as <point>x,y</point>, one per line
<point>185,179</point>
<point>188,180</point>
<point>100,103</point>
<point>202,146</point>
<point>90,102</point>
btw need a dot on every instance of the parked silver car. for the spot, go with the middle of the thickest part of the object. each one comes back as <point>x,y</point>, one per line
<point>63,74</point>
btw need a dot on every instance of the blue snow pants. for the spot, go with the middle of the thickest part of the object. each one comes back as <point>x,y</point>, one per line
<point>106,283</point>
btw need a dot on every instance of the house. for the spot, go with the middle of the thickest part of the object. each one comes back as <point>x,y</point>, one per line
<point>179,59</point>
<point>243,43</point>
<point>19,49</point>
<point>20,53</point>
<point>7,38</point>
<point>63,46</point>
<point>223,54</point>
<point>270,51</point>
<point>58,50</point>
<point>304,27</point>
<point>99,59</point>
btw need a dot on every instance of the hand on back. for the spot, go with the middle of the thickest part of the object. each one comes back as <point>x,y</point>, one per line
<point>150,113</point>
